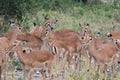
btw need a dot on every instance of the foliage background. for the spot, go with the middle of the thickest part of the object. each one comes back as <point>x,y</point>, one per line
<point>101,16</point>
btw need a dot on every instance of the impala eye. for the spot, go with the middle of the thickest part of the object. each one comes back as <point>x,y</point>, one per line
<point>91,39</point>
<point>15,44</point>
<point>24,51</point>
<point>46,31</point>
<point>19,27</point>
<point>82,37</point>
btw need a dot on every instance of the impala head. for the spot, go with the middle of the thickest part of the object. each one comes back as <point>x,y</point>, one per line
<point>19,30</point>
<point>48,25</point>
<point>8,50</point>
<point>109,36</point>
<point>86,29</point>
<point>113,40</point>
<point>90,41</point>
<point>13,24</point>
<point>21,46</point>
<point>96,34</point>
<point>14,32</point>
<point>84,39</point>
<point>117,42</point>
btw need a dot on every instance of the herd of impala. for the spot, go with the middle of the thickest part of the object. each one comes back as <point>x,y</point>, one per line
<point>43,47</point>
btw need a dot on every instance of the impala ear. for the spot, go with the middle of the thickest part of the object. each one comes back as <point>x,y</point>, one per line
<point>87,24</point>
<point>12,24</point>
<point>98,33</point>
<point>55,21</point>
<point>109,35</point>
<point>46,17</point>
<point>80,24</point>
<point>34,24</point>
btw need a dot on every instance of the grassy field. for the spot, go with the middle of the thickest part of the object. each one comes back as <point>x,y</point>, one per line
<point>102,18</point>
<point>85,73</point>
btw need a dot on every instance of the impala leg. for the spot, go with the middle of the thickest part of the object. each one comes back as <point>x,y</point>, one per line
<point>113,69</point>
<point>79,62</point>
<point>31,73</point>
<point>105,71</point>
<point>25,73</point>
<point>98,71</point>
<point>4,68</point>
<point>68,59</point>
<point>4,73</point>
<point>43,72</point>
<point>50,69</point>
<point>0,73</point>
<point>63,62</point>
<point>90,61</point>
<point>76,62</point>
